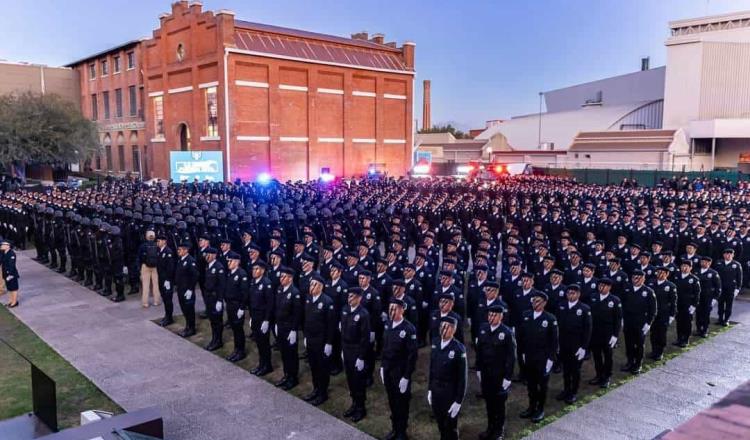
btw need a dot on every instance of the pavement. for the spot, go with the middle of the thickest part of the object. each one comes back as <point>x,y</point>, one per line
<point>139,364</point>
<point>665,397</point>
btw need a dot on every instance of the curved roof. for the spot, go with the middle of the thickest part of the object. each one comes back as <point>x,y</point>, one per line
<point>560,128</point>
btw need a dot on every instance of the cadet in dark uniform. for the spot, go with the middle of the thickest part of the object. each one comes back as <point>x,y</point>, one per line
<point>730,273</point>
<point>445,308</point>
<point>185,279</point>
<point>261,314</point>
<point>236,294</point>
<point>639,310</point>
<point>355,342</point>
<point>496,356</point>
<point>288,316</point>
<point>710,291</point>
<point>606,321</point>
<point>666,309</point>
<point>538,341</point>
<point>398,365</point>
<point>165,271</point>
<point>213,293</point>
<point>336,289</point>
<point>320,324</point>
<point>574,319</point>
<point>447,383</point>
<point>688,296</point>
<point>10,272</point>
<point>399,291</point>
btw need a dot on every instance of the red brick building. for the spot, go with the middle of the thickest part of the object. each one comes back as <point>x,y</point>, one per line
<point>276,100</point>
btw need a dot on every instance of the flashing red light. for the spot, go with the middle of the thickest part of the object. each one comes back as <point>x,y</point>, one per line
<point>500,169</point>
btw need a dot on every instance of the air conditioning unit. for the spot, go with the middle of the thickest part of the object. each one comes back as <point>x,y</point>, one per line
<point>547,146</point>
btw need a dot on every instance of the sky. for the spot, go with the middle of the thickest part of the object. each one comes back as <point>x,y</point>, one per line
<point>486,59</point>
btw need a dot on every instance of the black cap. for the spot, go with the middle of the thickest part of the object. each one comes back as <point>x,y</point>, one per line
<point>231,255</point>
<point>398,302</point>
<point>446,273</point>
<point>287,270</point>
<point>606,281</point>
<point>316,277</point>
<point>527,275</point>
<point>365,273</point>
<point>686,261</point>
<point>185,245</point>
<point>260,263</point>
<point>662,269</point>
<point>354,291</point>
<point>450,320</point>
<point>728,251</point>
<point>447,295</point>
<point>481,267</point>
<point>614,260</point>
<point>210,250</point>
<point>308,258</point>
<point>540,294</point>
<point>638,273</point>
<point>556,272</point>
<point>399,282</point>
<point>575,287</point>
<point>498,307</point>
<point>161,237</point>
<point>492,284</point>
<point>706,258</point>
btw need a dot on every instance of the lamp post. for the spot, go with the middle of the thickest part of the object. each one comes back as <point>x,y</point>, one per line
<point>540,120</point>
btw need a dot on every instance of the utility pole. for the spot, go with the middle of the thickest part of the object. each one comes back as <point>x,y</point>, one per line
<point>540,120</point>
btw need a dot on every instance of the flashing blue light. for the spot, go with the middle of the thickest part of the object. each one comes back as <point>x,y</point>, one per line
<point>327,177</point>
<point>372,170</point>
<point>264,178</point>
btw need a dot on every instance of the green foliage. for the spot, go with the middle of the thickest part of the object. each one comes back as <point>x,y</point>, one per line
<point>447,128</point>
<point>44,129</point>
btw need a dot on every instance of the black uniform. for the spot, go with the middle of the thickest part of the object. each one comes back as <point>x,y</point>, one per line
<point>639,309</point>
<point>355,343</point>
<point>731,281</point>
<point>399,361</point>
<point>261,315</point>
<point>538,341</point>
<point>606,314</point>
<point>320,326</point>
<point>575,333</point>
<point>10,272</point>
<point>165,270</point>
<point>236,294</point>
<point>448,371</point>
<point>496,356</point>
<point>688,297</point>
<point>710,291</point>
<point>213,294</point>
<point>186,277</point>
<point>666,308</point>
<point>288,316</point>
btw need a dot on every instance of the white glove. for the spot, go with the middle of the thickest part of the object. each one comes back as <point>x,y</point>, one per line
<point>167,285</point>
<point>327,349</point>
<point>691,309</point>
<point>276,328</point>
<point>479,375</point>
<point>264,327</point>
<point>454,409</point>
<point>671,320</point>
<point>429,397</point>
<point>736,292</point>
<point>304,342</point>
<point>523,357</point>
<point>9,277</point>
<point>292,338</point>
<point>382,376</point>
<point>359,364</point>
<point>125,270</point>
<point>384,316</point>
<point>219,305</point>
<point>645,328</point>
<point>339,325</point>
<point>469,320</point>
<point>548,366</point>
<point>188,295</point>
<point>506,384</point>
<point>403,384</point>
<point>372,337</point>
<point>612,341</point>
<point>425,304</point>
<point>580,354</point>
<point>714,303</point>
<point>240,313</point>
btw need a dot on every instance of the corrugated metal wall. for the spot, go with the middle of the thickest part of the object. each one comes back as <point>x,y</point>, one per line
<point>648,117</point>
<point>725,81</point>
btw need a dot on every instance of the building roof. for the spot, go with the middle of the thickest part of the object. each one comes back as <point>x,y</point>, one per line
<point>630,141</point>
<point>560,128</point>
<point>292,43</point>
<point>104,52</point>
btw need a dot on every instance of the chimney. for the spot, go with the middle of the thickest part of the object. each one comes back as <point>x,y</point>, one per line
<point>407,50</point>
<point>645,63</point>
<point>378,38</point>
<point>426,119</point>
<point>360,36</point>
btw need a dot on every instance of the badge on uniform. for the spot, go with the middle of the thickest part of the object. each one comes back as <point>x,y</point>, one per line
<point>710,275</point>
<point>593,285</point>
<point>501,336</point>
<point>338,288</point>
<point>690,280</point>
<point>356,318</point>
<point>411,287</point>
<point>666,288</point>
<point>451,354</point>
<point>544,323</point>
<point>579,312</point>
<point>289,295</point>
<point>562,294</point>
<point>402,334</point>
<point>320,306</point>
<point>213,270</point>
<point>369,296</point>
<point>734,266</point>
<point>382,282</point>
<point>610,304</point>
<point>236,277</point>
<point>619,279</point>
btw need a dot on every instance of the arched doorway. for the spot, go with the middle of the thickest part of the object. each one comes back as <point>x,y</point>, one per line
<point>184,132</point>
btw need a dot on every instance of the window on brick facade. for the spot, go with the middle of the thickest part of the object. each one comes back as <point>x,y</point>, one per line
<point>92,71</point>
<point>136,159</point>
<point>118,103</point>
<point>105,67</point>
<point>98,162</point>
<point>133,101</point>
<point>121,156</point>
<point>158,116</point>
<point>131,60</point>
<point>108,153</point>
<point>116,64</point>
<point>212,112</point>
<point>94,107</point>
<point>105,98</point>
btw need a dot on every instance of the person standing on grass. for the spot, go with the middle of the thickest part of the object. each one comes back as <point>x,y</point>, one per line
<point>320,322</point>
<point>447,382</point>
<point>355,343</point>
<point>10,273</point>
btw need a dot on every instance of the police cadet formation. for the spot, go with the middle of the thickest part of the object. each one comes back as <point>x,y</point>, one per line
<point>543,273</point>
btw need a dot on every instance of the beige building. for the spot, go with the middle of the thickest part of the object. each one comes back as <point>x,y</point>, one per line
<point>38,78</point>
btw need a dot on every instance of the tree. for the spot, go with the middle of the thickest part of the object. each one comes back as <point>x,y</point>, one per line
<point>447,128</point>
<point>44,129</point>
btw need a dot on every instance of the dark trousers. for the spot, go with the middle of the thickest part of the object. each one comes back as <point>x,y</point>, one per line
<point>494,399</point>
<point>658,334</point>
<point>703,315</point>
<point>442,399</point>
<point>237,326</point>
<point>336,362</point>
<point>215,318</point>
<point>537,380</point>
<point>602,354</point>
<point>634,339</point>
<point>424,324</point>
<point>262,340</point>
<point>571,367</point>
<point>166,298</point>
<point>320,365</point>
<point>684,325</point>
<point>397,402</point>
<point>356,380</point>
<point>62,254</point>
<point>134,276</point>
<point>188,309</point>
<point>726,299</point>
<point>289,355</point>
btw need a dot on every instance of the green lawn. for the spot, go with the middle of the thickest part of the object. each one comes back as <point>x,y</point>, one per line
<point>472,418</point>
<point>75,393</point>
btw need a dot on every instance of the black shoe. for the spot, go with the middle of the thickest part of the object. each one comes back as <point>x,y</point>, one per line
<point>724,323</point>
<point>528,412</point>
<point>571,399</point>
<point>309,397</point>
<point>238,357</point>
<point>336,371</point>
<point>186,332</point>
<point>538,416</point>
<point>133,291</point>
<point>677,343</point>
<point>636,370</point>
<point>264,370</point>
<point>166,321</point>
<point>15,304</point>
<point>103,293</point>
<point>357,416</point>
<point>61,270</point>
<point>321,399</point>
<point>255,370</point>
<point>352,409</point>
<point>291,383</point>
<point>557,369</point>
<point>595,381</point>
<point>281,382</point>
<point>118,299</point>
<point>562,395</point>
<point>390,436</point>
<point>213,346</point>
<point>627,367</point>
<point>657,357</point>
<point>704,335</point>
<point>369,382</point>
<point>230,357</point>
<point>203,315</point>
<point>604,384</point>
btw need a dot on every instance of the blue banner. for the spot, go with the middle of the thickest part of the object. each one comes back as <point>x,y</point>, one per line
<point>200,165</point>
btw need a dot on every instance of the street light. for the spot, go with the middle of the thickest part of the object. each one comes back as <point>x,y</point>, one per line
<point>540,120</point>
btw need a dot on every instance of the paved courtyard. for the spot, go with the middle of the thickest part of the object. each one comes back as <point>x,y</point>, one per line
<point>138,364</point>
